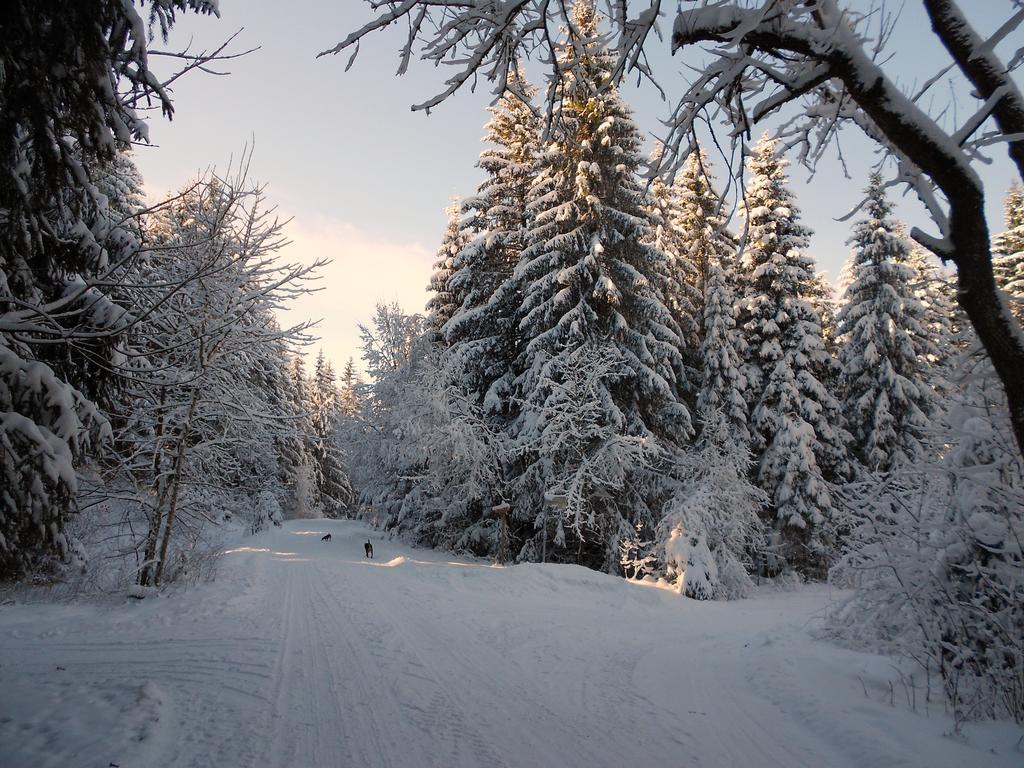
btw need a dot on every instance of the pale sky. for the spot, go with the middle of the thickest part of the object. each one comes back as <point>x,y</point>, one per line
<point>365,180</point>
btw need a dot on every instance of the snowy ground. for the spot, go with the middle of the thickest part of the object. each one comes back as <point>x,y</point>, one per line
<point>304,654</point>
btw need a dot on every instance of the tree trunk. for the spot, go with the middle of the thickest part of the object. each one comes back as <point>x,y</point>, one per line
<point>152,538</point>
<point>156,517</point>
<point>175,486</point>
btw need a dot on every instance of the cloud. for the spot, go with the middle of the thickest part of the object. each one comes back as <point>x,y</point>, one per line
<point>365,268</point>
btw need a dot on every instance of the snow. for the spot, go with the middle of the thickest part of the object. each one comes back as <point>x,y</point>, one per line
<point>303,653</point>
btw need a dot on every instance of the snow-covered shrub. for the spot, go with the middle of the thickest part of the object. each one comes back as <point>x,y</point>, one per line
<point>937,558</point>
<point>711,530</point>
<point>687,553</point>
<point>266,512</point>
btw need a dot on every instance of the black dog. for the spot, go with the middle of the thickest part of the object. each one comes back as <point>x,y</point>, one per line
<point>368,548</point>
<point>326,538</point>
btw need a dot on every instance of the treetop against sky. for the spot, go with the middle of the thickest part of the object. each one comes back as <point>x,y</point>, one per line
<point>367,179</point>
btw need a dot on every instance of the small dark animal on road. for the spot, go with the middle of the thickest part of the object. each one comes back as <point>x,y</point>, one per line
<point>368,548</point>
<point>326,538</point>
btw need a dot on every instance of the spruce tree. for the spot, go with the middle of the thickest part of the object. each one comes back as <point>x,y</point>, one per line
<point>300,470</point>
<point>1009,264</point>
<point>350,394</point>
<point>700,218</point>
<point>588,278</point>
<point>823,300</point>
<point>333,487</point>
<point>945,326</point>
<point>679,238</point>
<point>444,301</point>
<point>120,183</point>
<point>1011,240</point>
<point>481,335</point>
<point>723,386</point>
<point>798,442</point>
<point>887,398</point>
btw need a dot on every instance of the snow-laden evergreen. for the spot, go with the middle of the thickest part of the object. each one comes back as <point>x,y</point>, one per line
<point>299,468</point>
<point>887,398</point>
<point>1008,250</point>
<point>822,297</point>
<point>45,426</point>
<point>711,537</point>
<point>586,459</point>
<point>482,336</point>
<point>796,424</point>
<point>334,488</point>
<point>680,230</point>
<point>700,220</point>
<point>351,391</point>
<point>942,320</point>
<point>1011,240</point>
<point>444,300</point>
<point>588,279</point>
<point>723,385</point>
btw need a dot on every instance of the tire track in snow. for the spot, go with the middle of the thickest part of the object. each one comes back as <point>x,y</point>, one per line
<point>371,720</point>
<point>416,693</point>
<point>562,730</point>
<point>326,737</point>
<point>280,744</point>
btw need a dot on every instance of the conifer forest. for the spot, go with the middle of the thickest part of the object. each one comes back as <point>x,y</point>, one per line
<point>641,480</point>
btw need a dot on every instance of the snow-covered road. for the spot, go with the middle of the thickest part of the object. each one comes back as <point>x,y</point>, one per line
<point>302,653</point>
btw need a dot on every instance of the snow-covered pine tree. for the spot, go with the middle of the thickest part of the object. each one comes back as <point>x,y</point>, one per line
<point>887,399</point>
<point>723,385</point>
<point>589,458</point>
<point>676,234</point>
<point>443,301</point>
<point>796,424</point>
<point>333,487</point>
<point>45,426</point>
<point>943,321</point>
<point>81,335</point>
<point>823,300</point>
<point>700,220</point>
<point>271,378</point>
<point>350,393</point>
<point>120,183</point>
<point>481,335</point>
<point>1008,265</point>
<point>75,384</point>
<point>300,470</point>
<point>588,279</point>
<point>1011,240</point>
